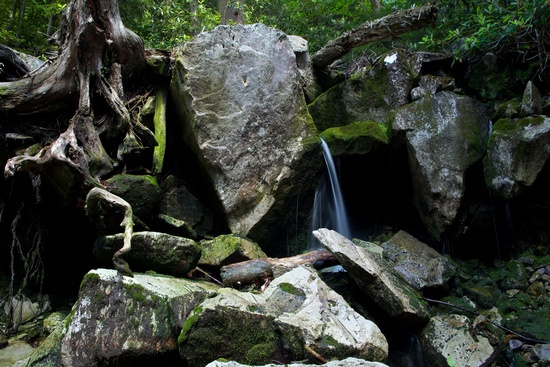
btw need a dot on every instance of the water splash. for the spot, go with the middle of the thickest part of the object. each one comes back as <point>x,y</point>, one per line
<point>328,206</point>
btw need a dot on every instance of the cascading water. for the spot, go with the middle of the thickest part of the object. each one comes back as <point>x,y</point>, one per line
<point>328,206</point>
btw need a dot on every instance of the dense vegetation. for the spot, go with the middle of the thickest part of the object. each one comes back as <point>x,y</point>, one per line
<point>510,28</point>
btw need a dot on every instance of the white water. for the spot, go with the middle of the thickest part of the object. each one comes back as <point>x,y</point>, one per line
<point>328,206</point>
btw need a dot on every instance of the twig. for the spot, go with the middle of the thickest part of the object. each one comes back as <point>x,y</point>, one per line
<point>208,275</point>
<point>315,354</point>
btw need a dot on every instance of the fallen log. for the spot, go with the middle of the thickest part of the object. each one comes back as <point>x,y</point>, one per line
<point>389,26</point>
<point>257,270</point>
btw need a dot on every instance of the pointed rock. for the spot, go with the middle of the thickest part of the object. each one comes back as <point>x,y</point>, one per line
<point>376,278</point>
<point>531,103</point>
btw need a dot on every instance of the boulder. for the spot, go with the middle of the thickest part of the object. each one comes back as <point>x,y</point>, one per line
<point>516,154</point>
<point>124,320</point>
<point>160,252</point>
<point>356,138</point>
<point>446,134</point>
<point>228,249</point>
<point>449,339</point>
<point>370,94</point>
<point>241,103</point>
<point>420,265</point>
<point>142,192</point>
<point>297,315</point>
<point>377,279</point>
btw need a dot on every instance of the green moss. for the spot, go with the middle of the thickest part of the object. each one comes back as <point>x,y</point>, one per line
<point>136,292</point>
<point>356,138</point>
<point>260,353</point>
<point>289,288</point>
<point>511,126</point>
<point>188,324</point>
<point>90,277</point>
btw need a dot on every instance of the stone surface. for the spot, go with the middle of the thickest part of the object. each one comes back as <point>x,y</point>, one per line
<point>450,338</point>
<point>159,252</point>
<point>370,94</point>
<point>446,134</point>
<point>239,96</point>
<point>228,249</point>
<point>118,317</point>
<point>297,311</point>
<point>376,278</point>
<point>516,154</point>
<point>419,264</point>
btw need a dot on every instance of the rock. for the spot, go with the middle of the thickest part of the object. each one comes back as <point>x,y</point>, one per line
<point>420,265</point>
<point>356,138</point>
<point>228,249</point>
<point>446,134</point>
<point>24,309</point>
<point>370,94</point>
<point>238,94</point>
<point>17,350</point>
<point>160,252</point>
<point>348,362</point>
<point>142,192</point>
<point>531,103</point>
<point>180,205</point>
<point>377,279</point>
<point>449,338</point>
<point>516,154</point>
<point>430,85</point>
<point>295,313</point>
<point>119,319</point>
<point>310,84</point>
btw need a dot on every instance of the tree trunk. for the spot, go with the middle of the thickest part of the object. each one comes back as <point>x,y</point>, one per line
<point>231,11</point>
<point>255,271</point>
<point>389,26</point>
<point>97,54</point>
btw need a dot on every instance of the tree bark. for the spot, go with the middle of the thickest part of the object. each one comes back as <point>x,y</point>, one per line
<point>97,55</point>
<point>389,26</point>
<point>254,271</point>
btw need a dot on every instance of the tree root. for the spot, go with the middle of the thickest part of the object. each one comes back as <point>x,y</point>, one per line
<point>101,202</point>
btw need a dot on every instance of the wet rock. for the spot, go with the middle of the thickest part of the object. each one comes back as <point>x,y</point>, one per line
<point>160,252</point>
<point>376,277</point>
<point>516,154</point>
<point>446,134</point>
<point>449,338</point>
<point>420,265</point>
<point>125,320</point>
<point>295,313</point>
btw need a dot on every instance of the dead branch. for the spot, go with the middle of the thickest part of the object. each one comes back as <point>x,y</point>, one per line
<point>389,26</point>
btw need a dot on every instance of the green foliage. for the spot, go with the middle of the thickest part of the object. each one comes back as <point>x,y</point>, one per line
<point>468,29</point>
<point>27,25</point>
<point>165,24</point>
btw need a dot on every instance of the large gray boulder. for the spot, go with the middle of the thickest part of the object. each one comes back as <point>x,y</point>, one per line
<point>517,152</point>
<point>240,99</point>
<point>296,315</point>
<point>446,134</point>
<point>376,278</point>
<point>118,317</point>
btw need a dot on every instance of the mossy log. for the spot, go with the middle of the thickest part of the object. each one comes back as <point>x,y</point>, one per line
<point>389,26</point>
<point>257,270</point>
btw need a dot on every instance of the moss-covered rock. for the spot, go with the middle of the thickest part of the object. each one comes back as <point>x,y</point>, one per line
<point>228,249</point>
<point>370,94</point>
<point>356,138</point>
<point>142,192</point>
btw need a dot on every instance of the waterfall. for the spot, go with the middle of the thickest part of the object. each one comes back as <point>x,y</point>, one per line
<point>328,206</point>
